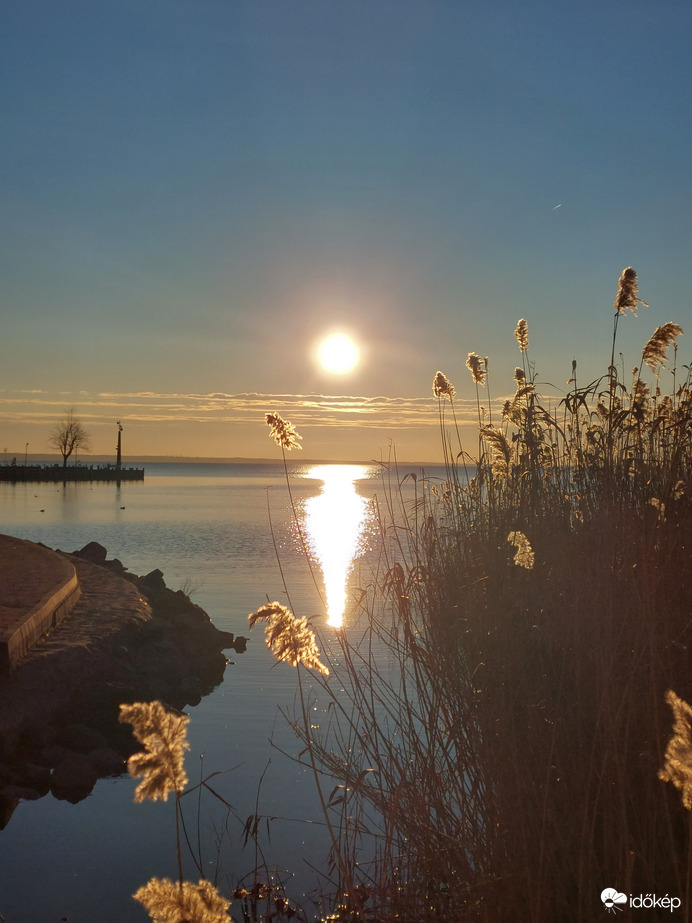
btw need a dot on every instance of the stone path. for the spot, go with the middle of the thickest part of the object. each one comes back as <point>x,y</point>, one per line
<point>107,603</point>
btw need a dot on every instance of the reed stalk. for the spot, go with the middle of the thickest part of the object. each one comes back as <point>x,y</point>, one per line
<point>501,694</point>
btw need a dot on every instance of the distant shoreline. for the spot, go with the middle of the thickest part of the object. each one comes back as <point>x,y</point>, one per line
<point>200,460</point>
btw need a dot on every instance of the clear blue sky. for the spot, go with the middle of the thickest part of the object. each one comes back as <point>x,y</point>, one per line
<point>193,193</point>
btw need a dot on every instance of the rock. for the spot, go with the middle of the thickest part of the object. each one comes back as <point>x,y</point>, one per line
<point>153,581</point>
<point>36,777</point>
<point>189,687</point>
<point>17,744</point>
<point>7,806</point>
<point>20,793</point>
<point>93,552</point>
<point>225,640</point>
<point>73,777</point>
<point>151,632</point>
<point>161,689</point>
<point>162,654</point>
<point>187,621</point>
<point>80,738</point>
<point>52,756</point>
<point>107,762</point>
<point>29,775</point>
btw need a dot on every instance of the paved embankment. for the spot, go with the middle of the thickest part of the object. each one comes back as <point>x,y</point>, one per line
<point>38,588</point>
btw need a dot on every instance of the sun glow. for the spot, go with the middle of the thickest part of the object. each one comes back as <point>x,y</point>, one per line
<point>335,521</point>
<point>338,354</point>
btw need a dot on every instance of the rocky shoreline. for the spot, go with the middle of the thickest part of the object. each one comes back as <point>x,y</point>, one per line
<point>128,639</point>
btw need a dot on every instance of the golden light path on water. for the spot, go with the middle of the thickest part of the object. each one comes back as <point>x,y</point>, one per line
<point>335,521</point>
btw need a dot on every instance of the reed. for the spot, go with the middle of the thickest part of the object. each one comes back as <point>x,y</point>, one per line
<point>497,712</point>
<point>496,735</point>
<point>162,732</point>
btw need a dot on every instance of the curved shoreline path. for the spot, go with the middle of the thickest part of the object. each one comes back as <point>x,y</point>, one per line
<point>38,589</point>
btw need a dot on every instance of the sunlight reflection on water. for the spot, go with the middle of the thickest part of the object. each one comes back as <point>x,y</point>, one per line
<point>209,523</point>
<point>335,522</point>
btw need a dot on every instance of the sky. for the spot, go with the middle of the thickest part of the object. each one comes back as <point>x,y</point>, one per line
<point>195,192</point>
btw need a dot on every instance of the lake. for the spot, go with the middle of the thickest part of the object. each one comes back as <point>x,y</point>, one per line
<point>227,531</point>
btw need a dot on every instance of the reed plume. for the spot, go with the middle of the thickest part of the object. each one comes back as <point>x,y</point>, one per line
<point>283,432</point>
<point>163,734</point>
<point>515,409</point>
<point>168,902</point>
<point>289,638</point>
<point>627,298</point>
<point>524,556</point>
<point>664,408</point>
<point>677,767</point>
<point>500,449</point>
<point>640,397</point>
<point>521,332</point>
<point>654,354</point>
<point>471,726</point>
<point>442,386</point>
<point>477,367</point>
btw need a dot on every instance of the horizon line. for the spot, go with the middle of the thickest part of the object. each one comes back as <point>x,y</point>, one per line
<point>204,459</point>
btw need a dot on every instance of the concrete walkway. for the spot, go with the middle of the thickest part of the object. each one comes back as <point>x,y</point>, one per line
<point>38,588</point>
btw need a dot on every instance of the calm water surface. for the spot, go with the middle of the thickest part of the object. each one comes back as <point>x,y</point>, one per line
<point>208,524</point>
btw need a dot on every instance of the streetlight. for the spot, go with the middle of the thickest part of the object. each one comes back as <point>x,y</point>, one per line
<point>26,449</point>
<point>118,457</point>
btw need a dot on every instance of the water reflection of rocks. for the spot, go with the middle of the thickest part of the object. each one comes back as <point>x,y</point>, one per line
<point>128,639</point>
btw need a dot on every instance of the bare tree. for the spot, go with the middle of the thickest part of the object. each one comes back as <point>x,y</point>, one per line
<point>68,435</point>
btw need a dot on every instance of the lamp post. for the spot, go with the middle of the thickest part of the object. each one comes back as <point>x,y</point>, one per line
<point>118,459</point>
<point>26,449</point>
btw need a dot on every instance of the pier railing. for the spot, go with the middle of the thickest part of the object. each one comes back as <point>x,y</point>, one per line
<point>57,472</point>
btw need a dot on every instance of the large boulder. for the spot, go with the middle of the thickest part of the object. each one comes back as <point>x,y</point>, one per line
<point>153,582</point>
<point>107,762</point>
<point>93,552</point>
<point>81,739</point>
<point>74,777</point>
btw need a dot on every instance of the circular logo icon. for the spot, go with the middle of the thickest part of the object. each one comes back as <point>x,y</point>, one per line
<point>611,898</point>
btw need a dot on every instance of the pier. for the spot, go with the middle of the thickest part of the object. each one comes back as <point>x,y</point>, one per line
<point>57,472</point>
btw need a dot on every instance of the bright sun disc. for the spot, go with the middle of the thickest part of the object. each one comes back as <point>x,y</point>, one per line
<point>338,354</point>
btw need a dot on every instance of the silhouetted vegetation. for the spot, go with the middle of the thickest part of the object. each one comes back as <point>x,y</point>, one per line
<point>537,606</point>
<point>68,435</point>
<point>495,720</point>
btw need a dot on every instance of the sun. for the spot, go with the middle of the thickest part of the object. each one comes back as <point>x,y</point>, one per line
<point>338,354</point>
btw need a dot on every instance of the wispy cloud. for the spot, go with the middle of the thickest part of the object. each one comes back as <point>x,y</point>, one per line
<point>304,410</point>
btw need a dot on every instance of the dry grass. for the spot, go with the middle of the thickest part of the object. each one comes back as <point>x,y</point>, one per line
<point>494,743</point>
<point>493,753</point>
